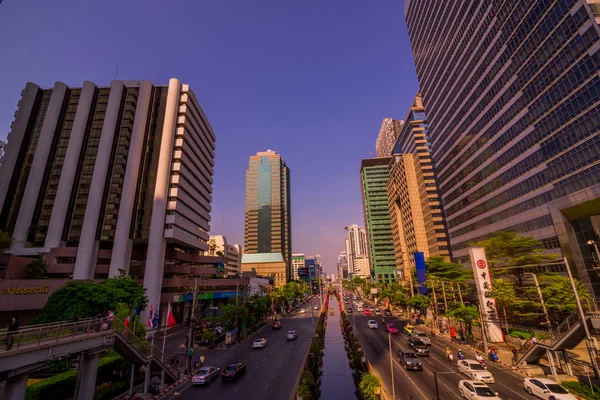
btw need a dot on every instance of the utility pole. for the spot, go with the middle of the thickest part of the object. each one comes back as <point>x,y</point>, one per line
<point>191,330</point>
<point>459,292</point>
<point>539,290</point>
<point>435,304</point>
<point>392,366</point>
<point>444,292</point>
<point>588,337</point>
<point>437,389</point>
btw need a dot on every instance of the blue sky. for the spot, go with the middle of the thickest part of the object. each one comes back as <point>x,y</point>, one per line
<point>310,79</point>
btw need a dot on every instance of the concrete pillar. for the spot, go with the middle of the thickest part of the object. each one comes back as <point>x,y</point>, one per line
<point>15,137</point>
<point>551,361</point>
<point>567,362</point>
<point>14,388</point>
<point>121,253</point>
<point>155,257</point>
<point>38,166</point>
<point>86,377</point>
<point>132,380</point>
<point>147,377</point>
<point>69,169</point>
<point>85,263</point>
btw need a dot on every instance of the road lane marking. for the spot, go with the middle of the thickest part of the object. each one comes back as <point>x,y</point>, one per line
<point>273,376</point>
<point>236,389</point>
<point>247,378</point>
<point>266,387</point>
<point>208,391</point>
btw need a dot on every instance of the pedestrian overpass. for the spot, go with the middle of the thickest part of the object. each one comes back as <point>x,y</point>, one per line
<point>35,346</point>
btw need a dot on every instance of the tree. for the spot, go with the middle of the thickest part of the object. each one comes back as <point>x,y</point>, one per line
<point>464,314</point>
<point>419,302</point>
<point>234,316</point>
<point>220,253</point>
<point>36,269</point>
<point>504,293</point>
<point>36,235</point>
<point>509,249</point>
<point>87,299</point>
<point>369,387</point>
<point>5,241</point>
<point>558,293</point>
<point>439,268</point>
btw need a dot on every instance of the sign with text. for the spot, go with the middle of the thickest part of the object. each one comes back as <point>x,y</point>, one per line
<point>483,283</point>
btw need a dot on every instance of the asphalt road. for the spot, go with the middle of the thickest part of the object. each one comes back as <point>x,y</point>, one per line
<point>421,384</point>
<point>271,372</point>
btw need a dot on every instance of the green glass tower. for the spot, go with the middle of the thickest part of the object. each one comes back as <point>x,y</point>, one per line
<point>373,178</point>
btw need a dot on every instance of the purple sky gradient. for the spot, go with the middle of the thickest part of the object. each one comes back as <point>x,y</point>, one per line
<point>310,79</point>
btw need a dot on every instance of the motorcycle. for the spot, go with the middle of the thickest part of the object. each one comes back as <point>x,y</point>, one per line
<point>482,362</point>
<point>153,389</point>
<point>461,356</point>
<point>493,357</point>
<point>450,357</point>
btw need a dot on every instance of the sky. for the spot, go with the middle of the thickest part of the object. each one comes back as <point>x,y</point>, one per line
<point>310,79</point>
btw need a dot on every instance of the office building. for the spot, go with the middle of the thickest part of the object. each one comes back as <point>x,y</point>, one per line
<point>415,207</point>
<point>299,267</point>
<point>356,245</point>
<point>318,265</point>
<point>362,268</point>
<point>218,246</point>
<point>310,265</point>
<point>374,175</point>
<point>2,145</point>
<point>342,266</point>
<point>266,265</point>
<point>267,228</point>
<point>387,137</point>
<point>98,179</point>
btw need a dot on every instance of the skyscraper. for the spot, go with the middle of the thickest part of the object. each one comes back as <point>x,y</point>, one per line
<point>356,246</point>
<point>342,266</point>
<point>416,214</point>
<point>374,175</point>
<point>511,91</point>
<point>387,137</point>
<point>103,178</point>
<point>267,227</point>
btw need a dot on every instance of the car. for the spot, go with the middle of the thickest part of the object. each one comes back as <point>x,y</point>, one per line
<point>349,310</point>
<point>316,307</point>
<point>391,328</point>
<point>233,371</point>
<point>408,329</point>
<point>302,311</point>
<point>291,335</point>
<point>372,324</point>
<point>387,313</point>
<point>205,375</point>
<point>297,306</point>
<point>377,312</point>
<point>367,311</point>
<point>419,348</point>
<point>276,325</point>
<point>345,301</point>
<point>476,390</point>
<point>423,337</point>
<point>475,371</point>
<point>546,389</point>
<point>259,343</point>
<point>360,309</point>
<point>409,359</point>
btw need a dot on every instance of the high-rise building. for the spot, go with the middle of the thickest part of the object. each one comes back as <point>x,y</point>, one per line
<point>99,179</point>
<point>356,245</point>
<point>268,227</point>
<point>2,145</point>
<point>218,246</point>
<point>374,175</point>
<point>361,267</point>
<point>387,137</point>
<point>342,266</point>
<point>511,91</point>
<point>416,213</point>
<point>299,267</point>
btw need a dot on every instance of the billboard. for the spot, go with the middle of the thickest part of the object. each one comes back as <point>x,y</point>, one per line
<point>487,304</point>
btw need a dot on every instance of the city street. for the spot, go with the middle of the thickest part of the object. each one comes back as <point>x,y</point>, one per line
<point>421,384</point>
<point>271,372</point>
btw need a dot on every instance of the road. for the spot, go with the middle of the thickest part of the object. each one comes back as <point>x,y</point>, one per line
<point>420,384</point>
<point>271,372</point>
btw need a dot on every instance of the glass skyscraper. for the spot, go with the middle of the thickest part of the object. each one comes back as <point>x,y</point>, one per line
<point>511,90</point>
<point>267,227</point>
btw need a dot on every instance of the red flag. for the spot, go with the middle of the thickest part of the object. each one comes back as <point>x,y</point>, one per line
<point>170,317</point>
<point>126,324</point>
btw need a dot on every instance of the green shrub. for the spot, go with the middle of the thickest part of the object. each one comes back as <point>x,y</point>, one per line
<point>519,334</point>
<point>305,392</point>
<point>369,387</point>
<point>583,390</point>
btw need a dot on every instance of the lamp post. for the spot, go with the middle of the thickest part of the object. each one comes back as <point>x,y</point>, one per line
<point>595,244</point>
<point>392,365</point>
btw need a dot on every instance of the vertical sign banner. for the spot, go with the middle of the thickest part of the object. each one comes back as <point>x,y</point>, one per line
<point>421,271</point>
<point>483,283</point>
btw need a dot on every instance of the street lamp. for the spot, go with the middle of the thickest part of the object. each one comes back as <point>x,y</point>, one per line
<point>595,244</point>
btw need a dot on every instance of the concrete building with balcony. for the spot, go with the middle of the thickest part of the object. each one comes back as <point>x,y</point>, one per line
<point>218,246</point>
<point>98,179</point>
<point>416,213</point>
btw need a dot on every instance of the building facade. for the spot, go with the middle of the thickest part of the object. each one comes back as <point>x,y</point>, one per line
<point>2,145</point>
<point>218,246</point>
<point>514,119</point>
<point>101,179</point>
<point>342,266</point>
<point>267,227</point>
<point>387,137</point>
<point>362,267</point>
<point>299,267</point>
<point>374,176</point>
<point>356,245</point>
<point>416,214</point>
<point>266,265</point>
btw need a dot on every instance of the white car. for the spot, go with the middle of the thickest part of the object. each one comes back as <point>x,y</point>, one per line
<point>546,389</point>
<point>205,375</point>
<point>475,371</point>
<point>316,307</point>
<point>302,311</point>
<point>423,338</point>
<point>259,343</point>
<point>360,309</point>
<point>476,390</point>
<point>372,324</point>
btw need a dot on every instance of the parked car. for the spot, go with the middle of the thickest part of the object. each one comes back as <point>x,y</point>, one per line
<point>475,371</point>
<point>291,335</point>
<point>276,325</point>
<point>372,324</point>
<point>409,359</point>
<point>391,328</point>
<point>476,390</point>
<point>233,371</point>
<point>387,312</point>
<point>259,343</point>
<point>205,375</point>
<point>423,338</point>
<point>546,389</point>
